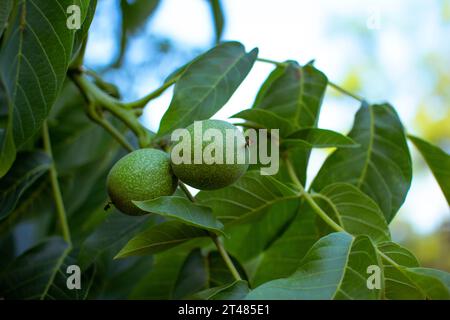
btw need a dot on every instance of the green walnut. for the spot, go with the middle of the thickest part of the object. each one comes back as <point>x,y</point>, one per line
<point>210,154</point>
<point>143,174</point>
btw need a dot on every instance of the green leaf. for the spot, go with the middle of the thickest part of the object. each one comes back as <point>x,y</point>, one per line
<point>207,84</point>
<point>161,281</point>
<point>233,291</point>
<point>41,273</point>
<point>34,61</point>
<point>218,18</point>
<point>429,284</point>
<point>294,93</point>
<point>266,119</point>
<point>405,280</point>
<point>284,255</point>
<point>438,161</point>
<point>183,210</point>
<point>112,234</point>
<point>218,272</point>
<point>380,167</point>
<point>27,168</point>
<point>160,238</point>
<point>317,138</point>
<point>334,268</point>
<point>354,211</point>
<point>134,16</point>
<point>5,10</point>
<point>7,149</point>
<point>193,275</point>
<point>247,198</point>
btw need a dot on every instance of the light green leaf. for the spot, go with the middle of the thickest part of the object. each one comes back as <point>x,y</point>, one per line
<point>317,138</point>
<point>354,211</point>
<point>334,268</point>
<point>160,238</point>
<point>207,84</point>
<point>380,167</point>
<point>34,61</point>
<point>405,280</point>
<point>438,161</point>
<point>250,196</point>
<point>27,168</point>
<point>183,210</point>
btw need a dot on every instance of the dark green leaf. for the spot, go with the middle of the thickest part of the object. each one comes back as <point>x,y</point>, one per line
<point>183,210</point>
<point>283,257</point>
<point>294,93</point>
<point>27,168</point>
<point>162,278</point>
<point>41,273</point>
<point>233,291</point>
<point>160,238</point>
<point>246,198</point>
<point>112,234</point>
<point>193,275</point>
<point>5,10</point>
<point>381,167</point>
<point>207,84</point>
<point>340,260</point>
<point>438,161</point>
<point>34,61</point>
<point>219,273</point>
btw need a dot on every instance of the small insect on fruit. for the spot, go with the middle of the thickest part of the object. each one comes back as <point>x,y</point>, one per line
<point>143,174</point>
<point>223,153</point>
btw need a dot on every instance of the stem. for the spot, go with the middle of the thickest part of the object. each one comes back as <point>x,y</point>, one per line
<point>60,210</point>
<point>139,104</point>
<point>331,84</point>
<point>226,258</point>
<point>115,134</point>
<point>277,63</point>
<point>348,93</point>
<point>310,200</point>
<point>116,107</point>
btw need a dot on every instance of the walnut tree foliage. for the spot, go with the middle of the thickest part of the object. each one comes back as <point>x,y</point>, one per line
<point>264,237</point>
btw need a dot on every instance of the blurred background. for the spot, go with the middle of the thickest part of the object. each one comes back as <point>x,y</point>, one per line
<point>396,51</point>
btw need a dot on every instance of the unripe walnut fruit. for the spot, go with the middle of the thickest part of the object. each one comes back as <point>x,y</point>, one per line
<point>143,174</point>
<point>207,175</point>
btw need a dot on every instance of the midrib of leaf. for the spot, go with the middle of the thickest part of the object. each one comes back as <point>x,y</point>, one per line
<point>347,259</point>
<point>369,148</point>
<point>54,272</point>
<point>211,88</point>
<point>143,248</point>
<point>24,178</point>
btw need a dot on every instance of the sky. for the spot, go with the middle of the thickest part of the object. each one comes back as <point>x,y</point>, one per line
<point>384,42</point>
